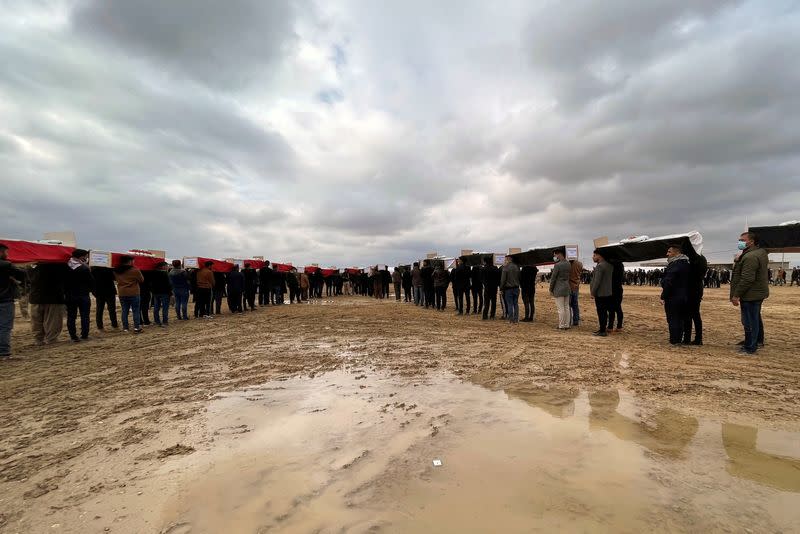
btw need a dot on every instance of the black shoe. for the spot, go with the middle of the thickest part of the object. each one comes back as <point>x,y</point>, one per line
<point>76,340</point>
<point>698,342</point>
<point>485,318</point>
<point>746,351</point>
<point>527,320</point>
<point>600,334</point>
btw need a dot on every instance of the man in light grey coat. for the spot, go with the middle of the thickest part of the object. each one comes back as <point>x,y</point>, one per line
<point>601,289</point>
<point>559,288</point>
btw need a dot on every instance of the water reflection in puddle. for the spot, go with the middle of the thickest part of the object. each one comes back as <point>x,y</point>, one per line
<point>351,453</point>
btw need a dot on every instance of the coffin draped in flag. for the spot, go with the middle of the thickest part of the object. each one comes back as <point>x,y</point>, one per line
<point>329,272</point>
<point>20,251</point>
<point>282,267</point>
<point>644,248</point>
<point>196,262</point>
<point>781,238</point>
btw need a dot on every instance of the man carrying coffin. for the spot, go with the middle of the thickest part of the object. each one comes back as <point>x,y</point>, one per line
<point>675,292</point>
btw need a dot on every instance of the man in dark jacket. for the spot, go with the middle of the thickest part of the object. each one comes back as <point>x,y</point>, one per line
<point>218,293</point>
<point>527,284</point>
<point>78,285</point>
<point>406,275</point>
<point>749,288</point>
<point>461,286</point>
<point>105,295</point>
<point>250,287</point>
<point>264,284</point>
<point>146,297</point>
<point>509,284</point>
<point>476,285</point>
<point>235,280</point>
<point>697,275</point>
<point>601,290</point>
<point>279,286</point>
<point>162,291</point>
<point>47,301</point>
<point>427,283</point>
<point>397,280</point>
<point>418,284</point>
<point>181,287</point>
<point>675,292</point>
<point>10,279</point>
<point>294,286</point>
<point>441,279</point>
<point>616,292</point>
<point>491,282</point>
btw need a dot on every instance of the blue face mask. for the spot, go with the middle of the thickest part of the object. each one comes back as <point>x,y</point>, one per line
<point>742,245</point>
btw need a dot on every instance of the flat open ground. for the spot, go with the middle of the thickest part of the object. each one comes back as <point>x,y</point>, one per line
<point>326,416</point>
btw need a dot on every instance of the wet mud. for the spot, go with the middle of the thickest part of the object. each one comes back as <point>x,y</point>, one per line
<point>539,429</point>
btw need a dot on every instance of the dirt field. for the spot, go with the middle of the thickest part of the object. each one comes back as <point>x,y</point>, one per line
<point>86,427</point>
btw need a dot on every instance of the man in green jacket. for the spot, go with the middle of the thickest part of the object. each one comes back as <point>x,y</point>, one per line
<point>749,288</point>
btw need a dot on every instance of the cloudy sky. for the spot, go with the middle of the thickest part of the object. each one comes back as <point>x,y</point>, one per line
<point>354,132</point>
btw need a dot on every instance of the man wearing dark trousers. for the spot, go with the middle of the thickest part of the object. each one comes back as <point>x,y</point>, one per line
<point>476,284</point>
<point>205,286</point>
<point>407,285</point>
<point>162,291</point>
<point>528,286</point>
<point>78,284</point>
<point>105,295</point>
<point>509,284</point>
<point>600,288</point>
<point>235,282</point>
<point>145,296</point>
<point>11,278</point>
<point>250,286</point>
<point>675,292</point>
<point>491,283</point>
<point>219,292</point>
<point>427,283</point>
<point>265,284</point>
<point>697,274</point>
<point>749,288</point>
<point>461,286</point>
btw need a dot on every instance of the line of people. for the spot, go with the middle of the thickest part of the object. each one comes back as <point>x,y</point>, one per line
<point>53,288</point>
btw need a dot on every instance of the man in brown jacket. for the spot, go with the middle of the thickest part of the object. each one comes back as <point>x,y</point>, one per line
<point>128,280</point>
<point>575,270</point>
<point>205,284</point>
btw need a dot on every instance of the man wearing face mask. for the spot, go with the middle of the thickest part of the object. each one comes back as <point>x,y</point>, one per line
<point>675,292</point>
<point>749,288</point>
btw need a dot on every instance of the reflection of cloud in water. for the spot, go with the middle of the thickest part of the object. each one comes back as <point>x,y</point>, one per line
<point>669,433</point>
<point>558,402</point>
<point>745,461</point>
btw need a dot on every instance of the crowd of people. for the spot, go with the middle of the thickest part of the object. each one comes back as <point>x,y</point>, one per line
<point>50,289</point>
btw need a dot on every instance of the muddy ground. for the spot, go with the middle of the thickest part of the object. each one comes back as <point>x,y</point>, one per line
<point>87,427</point>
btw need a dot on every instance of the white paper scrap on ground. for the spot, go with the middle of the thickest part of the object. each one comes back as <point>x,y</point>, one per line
<point>437,463</point>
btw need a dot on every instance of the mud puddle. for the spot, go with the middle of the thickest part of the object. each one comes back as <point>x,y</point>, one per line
<point>354,452</point>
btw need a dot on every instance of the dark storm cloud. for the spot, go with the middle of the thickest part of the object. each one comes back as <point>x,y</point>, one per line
<point>224,44</point>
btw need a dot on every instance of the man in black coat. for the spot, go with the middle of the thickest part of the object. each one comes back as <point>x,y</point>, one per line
<point>476,284</point>
<point>528,285</point>
<point>615,310</point>
<point>491,283</point>
<point>78,285</point>
<point>11,278</point>
<point>105,295</point>
<point>47,301</point>
<point>675,292</point>
<point>265,284</point>
<point>427,283</point>
<point>145,296</point>
<point>250,286</point>
<point>697,274</point>
<point>407,285</point>
<point>218,292</point>
<point>235,283</point>
<point>461,286</point>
